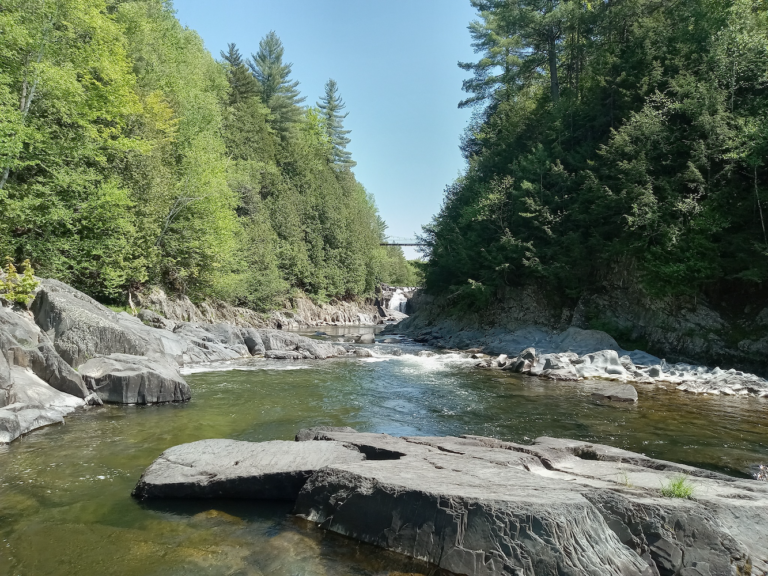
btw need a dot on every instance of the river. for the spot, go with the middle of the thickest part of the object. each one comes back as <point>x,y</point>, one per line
<point>65,504</point>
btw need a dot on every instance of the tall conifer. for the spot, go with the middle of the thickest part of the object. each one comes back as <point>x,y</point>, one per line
<point>278,92</point>
<point>242,83</point>
<point>331,106</point>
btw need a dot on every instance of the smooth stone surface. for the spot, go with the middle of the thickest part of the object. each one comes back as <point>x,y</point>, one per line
<point>366,339</point>
<point>125,379</point>
<point>481,506</point>
<point>618,393</point>
<point>50,367</point>
<point>277,341</point>
<point>274,470</point>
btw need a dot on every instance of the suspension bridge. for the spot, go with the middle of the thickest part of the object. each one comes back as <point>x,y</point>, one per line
<point>398,241</point>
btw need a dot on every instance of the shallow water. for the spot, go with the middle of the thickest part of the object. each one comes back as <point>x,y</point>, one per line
<point>65,505</point>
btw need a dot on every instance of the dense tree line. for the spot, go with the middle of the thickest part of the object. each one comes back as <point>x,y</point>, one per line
<point>623,140</point>
<point>130,156</point>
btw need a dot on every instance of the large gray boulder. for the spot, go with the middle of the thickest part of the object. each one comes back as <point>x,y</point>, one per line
<point>125,379</point>
<point>253,341</point>
<point>32,404</point>
<point>80,327</point>
<point>17,326</point>
<point>51,368</point>
<point>274,470</point>
<point>481,506</point>
<point>19,419</point>
<point>278,341</point>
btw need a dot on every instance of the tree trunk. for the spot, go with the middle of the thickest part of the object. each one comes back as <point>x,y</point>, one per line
<point>554,84</point>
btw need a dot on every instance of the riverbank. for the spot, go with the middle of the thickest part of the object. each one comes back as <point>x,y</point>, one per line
<point>733,334</point>
<point>67,351</point>
<point>528,340</point>
<point>64,487</point>
<point>298,312</point>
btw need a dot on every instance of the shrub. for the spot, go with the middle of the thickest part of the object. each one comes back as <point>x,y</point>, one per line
<point>678,487</point>
<point>15,288</point>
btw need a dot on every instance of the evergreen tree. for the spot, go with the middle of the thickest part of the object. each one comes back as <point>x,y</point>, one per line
<point>241,82</point>
<point>331,106</point>
<point>278,92</point>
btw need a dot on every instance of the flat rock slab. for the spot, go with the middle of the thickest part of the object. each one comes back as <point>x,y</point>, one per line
<point>275,470</point>
<point>485,507</point>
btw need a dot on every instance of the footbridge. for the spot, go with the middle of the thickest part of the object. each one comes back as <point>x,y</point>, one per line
<point>398,241</point>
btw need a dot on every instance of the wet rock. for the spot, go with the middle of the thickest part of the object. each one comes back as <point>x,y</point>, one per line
<point>618,393</point>
<point>277,341</point>
<point>34,404</point>
<point>19,419</point>
<point>363,353</point>
<point>125,379</point>
<point>274,470</point>
<point>481,506</point>
<point>601,364</point>
<point>253,341</point>
<point>367,338</point>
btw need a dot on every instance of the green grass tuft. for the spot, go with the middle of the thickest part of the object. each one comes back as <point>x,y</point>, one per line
<point>678,487</point>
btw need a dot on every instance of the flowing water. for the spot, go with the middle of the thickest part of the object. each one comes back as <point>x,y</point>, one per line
<point>65,504</point>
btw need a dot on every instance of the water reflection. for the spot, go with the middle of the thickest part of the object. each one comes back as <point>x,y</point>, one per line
<point>65,505</point>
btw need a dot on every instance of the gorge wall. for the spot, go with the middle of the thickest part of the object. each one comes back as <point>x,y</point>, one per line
<point>731,333</point>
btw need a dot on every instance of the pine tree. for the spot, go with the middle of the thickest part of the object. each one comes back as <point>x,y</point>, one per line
<point>331,106</point>
<point>518,41</point>
<point>278,92</point>
<point>242,83</point>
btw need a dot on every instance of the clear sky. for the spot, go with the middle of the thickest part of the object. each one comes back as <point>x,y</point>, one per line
<point>395,63</point>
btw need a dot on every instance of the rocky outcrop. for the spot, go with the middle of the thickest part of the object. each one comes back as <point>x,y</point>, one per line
<point>274,470</point>
<point>480,506</point>
<point>67,345</point>
<point>124,379</point>
<point>607,365</point>
<point>298,312</point>
<point>733,334</point>
<point>277,343</point>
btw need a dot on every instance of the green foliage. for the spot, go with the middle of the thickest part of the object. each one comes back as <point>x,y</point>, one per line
<point>331,106</point>
<point>129,156</point>
<point>278,91</point>
<point>15,288</point>
<point>622,140</point>
<point>678,487</point>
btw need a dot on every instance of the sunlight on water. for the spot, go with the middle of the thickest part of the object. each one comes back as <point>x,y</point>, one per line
<point>65,505</point>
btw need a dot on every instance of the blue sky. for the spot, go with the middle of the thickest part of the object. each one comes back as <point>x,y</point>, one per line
<point>395,63</point>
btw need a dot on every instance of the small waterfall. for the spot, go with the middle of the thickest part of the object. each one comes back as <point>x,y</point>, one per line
<point>398,301</point>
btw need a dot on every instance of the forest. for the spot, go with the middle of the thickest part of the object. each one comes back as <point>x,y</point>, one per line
<point>621,141</point>
<point>130,156</point>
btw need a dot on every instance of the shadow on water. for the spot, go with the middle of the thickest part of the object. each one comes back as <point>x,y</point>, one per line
<point>65,504</point>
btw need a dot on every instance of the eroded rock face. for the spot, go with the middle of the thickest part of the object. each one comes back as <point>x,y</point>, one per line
<point>481,506</point>
<point>274,470</point>
<point>125,379</point>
